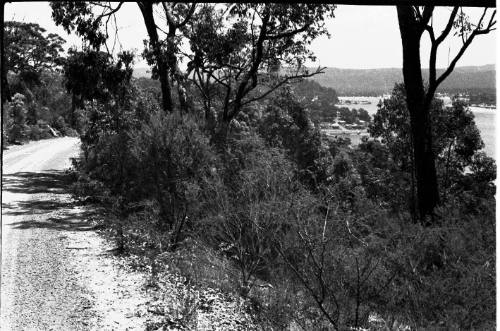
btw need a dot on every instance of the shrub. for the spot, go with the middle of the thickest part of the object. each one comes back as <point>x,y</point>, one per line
<point>249,205</point>
<point>70,132</point>
<point>6,124</point>
<point>322,226</point>
<point>335,261</point>
<point>286,125</point>
<point>444,274</point>
<point>176,166</point>
<point>60,125</point>
<point>34,133</point>
<point>16,110</point>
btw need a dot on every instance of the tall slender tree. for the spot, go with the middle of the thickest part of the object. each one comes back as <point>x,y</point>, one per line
<point>91,20</point>
<point>413,23</point>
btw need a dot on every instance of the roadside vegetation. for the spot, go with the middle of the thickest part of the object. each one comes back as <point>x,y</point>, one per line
<point>35,102</point>
<point>227,182</point>
<point>311,232</point>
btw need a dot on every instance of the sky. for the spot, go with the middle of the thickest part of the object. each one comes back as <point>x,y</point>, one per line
<point>362,37</point>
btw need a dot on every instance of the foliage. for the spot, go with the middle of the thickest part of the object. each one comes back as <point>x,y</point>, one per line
<point>16,127</point>
<point>149,165</point>
<point>276,35</point>
<point>321,103</point>
<point>28,52</point>
<point>92,75</point>
<point>101,88</point>
<point>444,273</point>
<point>32,60</point>
<point>176,165</point>
<point>29,49</point>
<point>413,23</point>
<point>354,264</point>
<point>352,116</point>
<point>78,16</point>
<point>286,124</point>
<point>381,176</point>
<point>337,261</point>
<point>391,123</point>
<point>247,211</point>
<point>150,87</point>
<point>46,101</point>
<point>456,140</point>
<point>286,213</point>
<point>308,90</point>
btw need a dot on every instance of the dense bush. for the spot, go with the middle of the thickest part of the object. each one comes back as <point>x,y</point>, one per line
<point>232,183</point>
<point>286,125</point>
<point>386,165</point>
<point>316,235</point>
<point>38,105</point>
<point>444,274</point>
<point>177,166</point>
<point>250,205</point>
<point>16,126</point>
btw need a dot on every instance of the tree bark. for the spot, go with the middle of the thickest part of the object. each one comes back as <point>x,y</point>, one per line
<point>166,90</point>
<point>5,82</point>
<point>425,168</point>
<point>174,68</point>
<point>221,132</point>
<point>72,121</point>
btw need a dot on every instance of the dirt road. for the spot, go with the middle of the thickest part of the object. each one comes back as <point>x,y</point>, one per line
<point>56,271</point>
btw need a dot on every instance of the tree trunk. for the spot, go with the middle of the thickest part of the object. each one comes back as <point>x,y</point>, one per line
<point>219,138</point>
<point>425,169</point>
<point>72,121</point>
<point>166,91</point>
<point>5,83</point>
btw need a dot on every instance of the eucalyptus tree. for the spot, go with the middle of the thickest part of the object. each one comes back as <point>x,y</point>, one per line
<point>92,75</point>
<point>414,21</point>
<point>455,138</point>
<point>28,50</point>
<point>243,52</point>
<point>92,20</point>
<point>232,46</point>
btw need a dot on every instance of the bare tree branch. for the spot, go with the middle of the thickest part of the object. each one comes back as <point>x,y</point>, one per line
<point>288,34</point>
<point>309,288</point>
<point>188,16</point>
<point>111,12</point>
<point>168,14</point>
<point>475,32</point>
<point>257,54</point>
<point>283,82</point>
<point>449,25</point>
<point>467,39</point>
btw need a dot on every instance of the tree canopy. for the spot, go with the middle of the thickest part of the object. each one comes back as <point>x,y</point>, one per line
<point>234,48</point>
<point>29,50</point>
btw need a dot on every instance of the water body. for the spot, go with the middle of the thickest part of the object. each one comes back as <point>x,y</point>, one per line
<point>485,121</point>
<point>371,108</point>
<point>485,118</point>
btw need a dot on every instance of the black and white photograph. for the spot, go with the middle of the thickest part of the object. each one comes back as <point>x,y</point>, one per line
<point>248,166</point>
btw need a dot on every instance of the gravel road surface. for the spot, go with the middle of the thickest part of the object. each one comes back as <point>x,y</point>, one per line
<point>57,273</point>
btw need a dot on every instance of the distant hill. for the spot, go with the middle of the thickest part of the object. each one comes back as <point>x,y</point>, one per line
<point>478,81</point>
<point>379,81</point>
